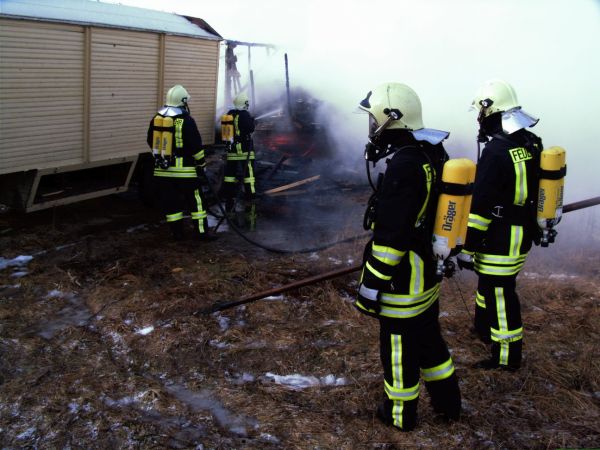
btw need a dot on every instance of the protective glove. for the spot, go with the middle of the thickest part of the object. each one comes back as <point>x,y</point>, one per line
<point>465,261</point>
<point>367,300</point>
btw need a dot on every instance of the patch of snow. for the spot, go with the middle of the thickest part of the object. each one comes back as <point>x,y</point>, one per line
<point>125,401</point>
<point>19,274</point>
<point>562,276</point>
<point>54,293</point>
<point>146,330</point>
<point>328,322</point>
<point>242,378</point>
<point>26,434</point>
<point>297,381</point>
<point>62,247</point>
<point>274,297</point>
<point>205,400</point>
<point>223,322</point>
<point>73,408</point>
<point>142,227</point>
<point>553,276</point>
<point>218,344</point>
<point>19,261</point>
<point>266,437</point>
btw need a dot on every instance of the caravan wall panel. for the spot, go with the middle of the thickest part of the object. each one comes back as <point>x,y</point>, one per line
<point>41,95</point>
<point>194,63</point>
<point>124,82</point>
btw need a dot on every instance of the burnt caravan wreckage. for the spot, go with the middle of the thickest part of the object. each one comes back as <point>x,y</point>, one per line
<point>291,141</point>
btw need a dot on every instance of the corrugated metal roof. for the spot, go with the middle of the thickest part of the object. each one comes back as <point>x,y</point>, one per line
<point>88,12</point>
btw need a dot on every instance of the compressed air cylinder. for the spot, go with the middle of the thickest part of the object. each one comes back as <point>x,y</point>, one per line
<point>167,138</point>
<point>551,189</point>
<point>227,128</point>
<point>466,209</point>
<point>157,135</point>
<point>450,225</point>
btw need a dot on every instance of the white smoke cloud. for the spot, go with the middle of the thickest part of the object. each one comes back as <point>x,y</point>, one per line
<point>547,49</point>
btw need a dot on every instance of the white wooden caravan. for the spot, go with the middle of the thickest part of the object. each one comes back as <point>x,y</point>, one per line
<point>80,81</point>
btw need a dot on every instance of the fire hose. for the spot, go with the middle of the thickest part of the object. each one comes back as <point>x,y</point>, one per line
<point>266,247</point>
<point>338,273</point>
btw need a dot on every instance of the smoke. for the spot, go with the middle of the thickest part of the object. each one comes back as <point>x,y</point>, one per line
<point>339,50</point>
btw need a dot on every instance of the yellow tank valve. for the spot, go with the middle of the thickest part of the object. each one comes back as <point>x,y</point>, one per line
<point>553,169</point>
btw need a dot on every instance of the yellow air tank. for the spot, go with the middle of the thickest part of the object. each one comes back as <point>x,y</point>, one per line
<point>550,195</point>
<point>167,138</point>
<point>451,219</point>
<point>227,128</point>
<point>157,135</point>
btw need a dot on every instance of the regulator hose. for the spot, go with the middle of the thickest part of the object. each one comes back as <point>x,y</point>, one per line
<point>243,235</point>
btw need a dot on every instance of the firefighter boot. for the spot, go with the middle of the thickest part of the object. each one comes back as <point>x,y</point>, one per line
<point>407,421</point>
<point>445,397</point>
<point>512,363</point>
<point>481,328</point>
<point>177,230</point>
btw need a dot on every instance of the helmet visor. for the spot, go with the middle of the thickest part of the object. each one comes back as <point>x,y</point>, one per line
<point>516,119</point>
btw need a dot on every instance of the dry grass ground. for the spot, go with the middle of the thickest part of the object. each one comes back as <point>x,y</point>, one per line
<point>81,367</point>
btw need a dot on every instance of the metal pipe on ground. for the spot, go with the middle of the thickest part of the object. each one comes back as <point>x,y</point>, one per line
<point>338,273</point>
<point>295,285</point>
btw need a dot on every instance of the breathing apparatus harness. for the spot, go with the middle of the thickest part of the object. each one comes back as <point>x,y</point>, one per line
<point>375,151</point>
<point>514,213</point>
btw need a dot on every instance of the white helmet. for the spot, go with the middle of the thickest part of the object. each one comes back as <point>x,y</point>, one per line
<point>177,96</point>
<point>241,101</point>
<point>388,98</point>
<point>401,102</point>
<point>497,96</point>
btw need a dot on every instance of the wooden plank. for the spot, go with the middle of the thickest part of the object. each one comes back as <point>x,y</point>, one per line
<point>292,185</point>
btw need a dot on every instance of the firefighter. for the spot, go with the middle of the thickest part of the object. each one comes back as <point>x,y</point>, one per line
<point>502,221</point>
<point>179,169</point>
<point>398,284</point>
<point>240,157</point>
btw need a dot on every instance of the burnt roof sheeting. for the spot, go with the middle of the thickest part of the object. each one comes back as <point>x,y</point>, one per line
<point>90,12</point>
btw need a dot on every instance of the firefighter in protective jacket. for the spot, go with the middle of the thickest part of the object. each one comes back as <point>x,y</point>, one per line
<point>502,221</point>
<point>179,169</point>
<point>240,155</point>
<point>399,284</point>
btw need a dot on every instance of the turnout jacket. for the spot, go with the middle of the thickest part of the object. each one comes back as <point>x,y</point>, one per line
<point>188,153</point>
<point>398,278</point>
<point>502,221</point>
<point>243,127</point>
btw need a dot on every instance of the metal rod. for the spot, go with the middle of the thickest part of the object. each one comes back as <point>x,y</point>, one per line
<point>337,273</point>
<point>287,86</point>
<point>295,285</point>
<point>581,204</point>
